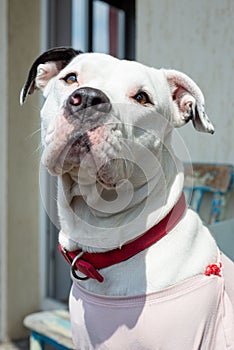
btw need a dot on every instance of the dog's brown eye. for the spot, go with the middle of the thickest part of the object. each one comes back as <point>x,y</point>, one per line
<point>70,78</point>
<point>142,98</point>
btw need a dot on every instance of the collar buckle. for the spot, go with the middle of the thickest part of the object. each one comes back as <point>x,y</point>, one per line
<point>81,265</point>
<point>85,268</point>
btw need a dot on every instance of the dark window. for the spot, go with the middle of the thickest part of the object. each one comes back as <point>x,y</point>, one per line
<point>93,25</point>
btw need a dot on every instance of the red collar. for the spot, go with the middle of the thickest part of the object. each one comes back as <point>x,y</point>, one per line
<point>90,263</point>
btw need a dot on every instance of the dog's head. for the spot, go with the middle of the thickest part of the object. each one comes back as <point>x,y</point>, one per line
<point>97,106</point>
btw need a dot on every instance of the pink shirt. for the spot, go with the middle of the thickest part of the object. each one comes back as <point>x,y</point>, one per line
<point>194,314</point>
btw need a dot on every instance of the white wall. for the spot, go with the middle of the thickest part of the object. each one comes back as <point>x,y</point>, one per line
<point>19,192</point>
<point>3,168</point>
<point>196,37</point>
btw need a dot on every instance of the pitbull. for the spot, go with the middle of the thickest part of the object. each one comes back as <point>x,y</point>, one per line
<point>146,272</point>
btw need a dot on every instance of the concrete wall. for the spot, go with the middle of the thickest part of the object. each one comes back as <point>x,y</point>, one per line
<point>3,166</point>
<point>196,37</point>
<point>19,200</point>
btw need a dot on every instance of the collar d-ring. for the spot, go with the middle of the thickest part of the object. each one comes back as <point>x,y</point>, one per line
<point>73,269</point>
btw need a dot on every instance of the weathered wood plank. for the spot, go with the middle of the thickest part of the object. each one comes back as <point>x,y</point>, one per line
<point>214,177</point>
<point>53,325</point>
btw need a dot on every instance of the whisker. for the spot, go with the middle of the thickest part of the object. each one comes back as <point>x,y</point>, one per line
<point>34,133</point>
<point>37,150</point>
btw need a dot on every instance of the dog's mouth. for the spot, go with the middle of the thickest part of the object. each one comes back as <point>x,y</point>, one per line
<point>89,155</point>
<point>90,150</point>
<point>81,143</point>
<point>80,146</point>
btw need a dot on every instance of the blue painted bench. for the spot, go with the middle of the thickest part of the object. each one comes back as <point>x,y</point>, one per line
<point>50,327</point>
<point>216,180</point>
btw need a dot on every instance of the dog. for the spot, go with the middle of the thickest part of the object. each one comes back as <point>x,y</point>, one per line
<point>146,272</point>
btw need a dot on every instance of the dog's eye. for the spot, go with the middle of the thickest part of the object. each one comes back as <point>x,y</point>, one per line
<point>70,78</point>
<point>142,98</point>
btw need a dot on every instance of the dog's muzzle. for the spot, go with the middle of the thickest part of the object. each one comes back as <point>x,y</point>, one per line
<point>87,101</point>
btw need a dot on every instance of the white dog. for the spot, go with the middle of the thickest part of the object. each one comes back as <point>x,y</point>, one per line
<point>147,273</point>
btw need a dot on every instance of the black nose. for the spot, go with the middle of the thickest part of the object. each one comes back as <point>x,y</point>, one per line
<point>86,97</point>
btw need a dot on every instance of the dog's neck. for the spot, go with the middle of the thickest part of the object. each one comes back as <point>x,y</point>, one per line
<point>91,229</point>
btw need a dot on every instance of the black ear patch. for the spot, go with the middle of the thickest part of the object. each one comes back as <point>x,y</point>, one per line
<point>60,55</point>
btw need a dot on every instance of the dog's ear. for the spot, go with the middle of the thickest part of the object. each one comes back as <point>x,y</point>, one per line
<point>45,67</point>
<point>189,101</point>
